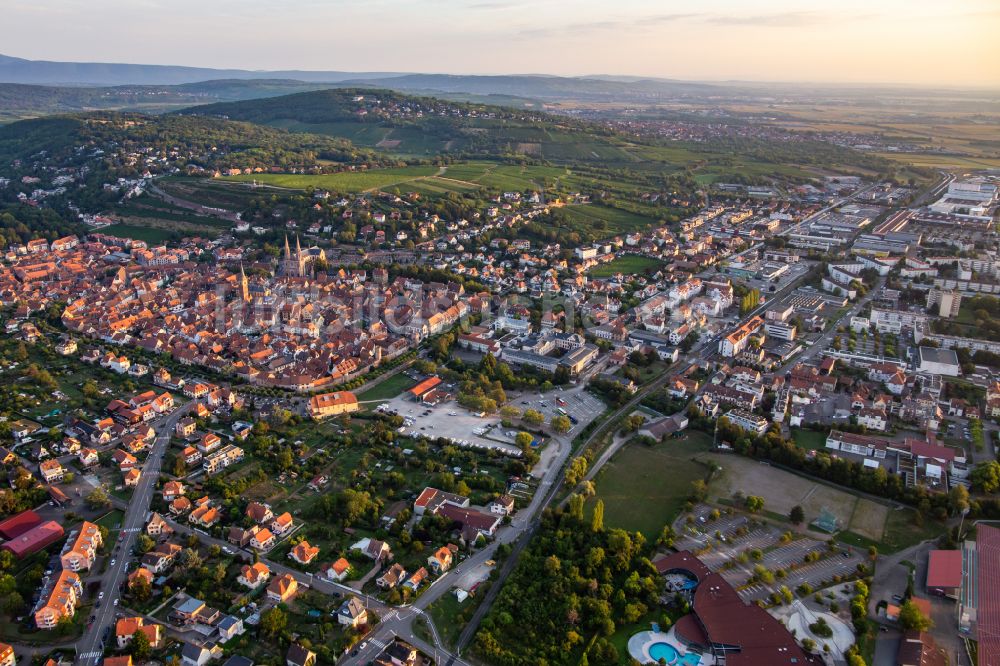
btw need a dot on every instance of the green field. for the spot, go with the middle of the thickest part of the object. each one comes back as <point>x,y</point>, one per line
<point>388,388</point>
<point>343,182</point>
<point>628,265</point>
<point>900,532</point>
<point>507,177</point>
<point>615,220</point>
<point>811,440</point>
<point>645,488</point>
<point>151,235</point>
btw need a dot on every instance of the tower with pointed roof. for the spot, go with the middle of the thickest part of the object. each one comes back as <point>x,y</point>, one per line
<point>244,285</point>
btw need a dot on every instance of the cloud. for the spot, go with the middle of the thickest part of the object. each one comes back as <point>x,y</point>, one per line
<point>774,20</point>
<point>779,20</point>
<point>670,18</point>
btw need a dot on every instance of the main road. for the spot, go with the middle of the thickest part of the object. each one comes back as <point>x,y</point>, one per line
<point>89,648</point>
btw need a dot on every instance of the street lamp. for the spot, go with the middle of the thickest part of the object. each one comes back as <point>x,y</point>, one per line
<point>961,523</point>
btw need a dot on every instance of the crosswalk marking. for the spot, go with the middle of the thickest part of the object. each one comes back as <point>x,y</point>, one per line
<point>91,655</point>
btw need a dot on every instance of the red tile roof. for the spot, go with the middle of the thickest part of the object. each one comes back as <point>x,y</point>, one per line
<point>720,618</point>
<point>988,591</point>
<point>425,386</point>
<point>944,569</point>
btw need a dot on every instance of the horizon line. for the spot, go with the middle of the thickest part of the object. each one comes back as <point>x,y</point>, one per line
<point>539,75</point>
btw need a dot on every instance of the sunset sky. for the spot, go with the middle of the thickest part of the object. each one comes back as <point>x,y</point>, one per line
<point>891,41</point>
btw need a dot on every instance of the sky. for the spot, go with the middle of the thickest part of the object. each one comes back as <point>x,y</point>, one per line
<point>923,42</point>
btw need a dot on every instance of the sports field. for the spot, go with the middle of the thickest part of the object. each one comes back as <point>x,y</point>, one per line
<point>783,490</point>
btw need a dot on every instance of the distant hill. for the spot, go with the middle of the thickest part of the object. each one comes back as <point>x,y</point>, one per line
<point>46,72</point>
<point>422,126</point>
<point>550,88</point>
<point>43,72</point>
<point>19,101</point>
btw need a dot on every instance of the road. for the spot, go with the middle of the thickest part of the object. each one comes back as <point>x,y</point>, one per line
<point>935,192</point>
<point>399,622</point>
<point>824,341</point>
<point>88,648</point>
<point>835,204</point>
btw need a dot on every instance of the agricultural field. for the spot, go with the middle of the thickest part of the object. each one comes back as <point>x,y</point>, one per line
<point>656,479</point>
<point>506,177</point>
<point>208,192</point>
<point>627,265</point>
<point>613,220</point>
<point>150,234</point>
<point>342,182</point>
<point>943,161</point>
<point>963,139</point>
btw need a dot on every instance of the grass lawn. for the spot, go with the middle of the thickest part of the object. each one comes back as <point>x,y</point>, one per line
<point>112,520</point>
<point>622,633</point>
<point>645,488</point>
<point>388,388</point>
<point>900,533</point>
<point>627,265</point>
<point>450,616</point>
<point>811,440</point>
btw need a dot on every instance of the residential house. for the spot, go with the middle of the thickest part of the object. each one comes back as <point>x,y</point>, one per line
<point>282,524</point>
<point>503,505</point>
<point>254,575</point>
<point>392,577</point>
<point>299,656</point>
<point>259,513</point>
<point>51,470</point>
<point>303,553</point>
<point>229,627</point>
<point>441,560</point>
<point>337,571</point>
<point>126,628</point>
<point>158,526</point>
<point>282,588</point>
<point>185,427</point>
<point>352,613</point>
<point>262,540</point>
<point>132,478</point>
<point>195,655</point>
<point>417,579</point>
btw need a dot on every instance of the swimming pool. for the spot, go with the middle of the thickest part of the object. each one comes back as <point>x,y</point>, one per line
<point>668,653</point>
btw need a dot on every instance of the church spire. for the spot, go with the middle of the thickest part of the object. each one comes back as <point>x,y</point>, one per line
<point>288,250</point>
<point>244,285</point>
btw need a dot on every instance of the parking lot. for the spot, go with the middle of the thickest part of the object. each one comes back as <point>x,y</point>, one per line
<point>720,542</point>
<point>579,405</point>
<point>454,422</point>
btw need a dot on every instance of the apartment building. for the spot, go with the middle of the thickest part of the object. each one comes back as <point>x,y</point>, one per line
<point>221,459</point>
<point>80,552</point>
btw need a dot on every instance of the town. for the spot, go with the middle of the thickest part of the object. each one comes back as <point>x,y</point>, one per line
<point>417,375</point>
